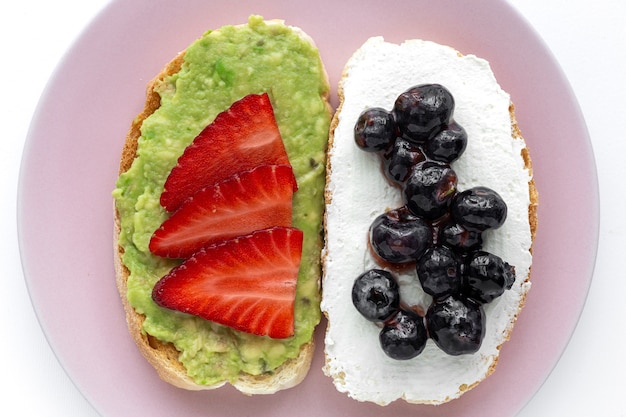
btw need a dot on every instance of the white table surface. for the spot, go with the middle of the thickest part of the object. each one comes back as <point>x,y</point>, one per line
<point>587,37</point>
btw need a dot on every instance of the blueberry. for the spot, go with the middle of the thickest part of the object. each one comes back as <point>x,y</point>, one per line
<point>375,130</point>
<point>375,294</point>
<point>422,111</point>
<point>429,189</point>
<point>439,271</point>
<point>457,326</point>
<point>487,276</point>
<point>404,336</point>
<point>460,238</point>
<point>479,208</point>
<point>398,236</point>
<point>401,159</point>
<point>447,145</point>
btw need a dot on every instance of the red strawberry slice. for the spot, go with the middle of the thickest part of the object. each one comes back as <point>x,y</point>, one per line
<point>240,138</point>
<point>252,200</point>
<point>247,283</point>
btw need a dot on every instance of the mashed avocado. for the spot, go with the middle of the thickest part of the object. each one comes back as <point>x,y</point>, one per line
<point>220,68</point>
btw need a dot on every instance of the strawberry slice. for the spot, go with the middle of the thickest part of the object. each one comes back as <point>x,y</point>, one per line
<point>252,200</point>
<point>240,138</point>
<point>247,283</point>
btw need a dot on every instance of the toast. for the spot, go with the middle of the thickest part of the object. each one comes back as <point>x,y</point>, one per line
<point>147,154</point>
<point>357,192</point>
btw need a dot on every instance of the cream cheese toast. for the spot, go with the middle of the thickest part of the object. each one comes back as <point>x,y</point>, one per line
<point>357,193</point>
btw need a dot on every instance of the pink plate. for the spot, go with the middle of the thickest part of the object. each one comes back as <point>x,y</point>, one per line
<point>70,167</point>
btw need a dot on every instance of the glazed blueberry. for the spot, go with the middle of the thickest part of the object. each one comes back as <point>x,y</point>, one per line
<point>375,295</point>
<point>429,189</point>
<point>398,236</point>
<point>447,145</point>
<point>479,208</point>
<point>375,130</point>
<point>404,336</point>
<point>439,271</point>
<point>422,111</point>
<point>438,228</point>
<point>487,276</point>
<point>460,238</point>
<point>457,326</point>
<point>401,159</point>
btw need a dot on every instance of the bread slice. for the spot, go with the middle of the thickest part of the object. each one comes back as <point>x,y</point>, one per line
<point>164,356</point>
<point>357,192</point>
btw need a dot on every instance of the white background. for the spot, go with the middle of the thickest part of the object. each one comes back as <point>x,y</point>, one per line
<point>588,39</point>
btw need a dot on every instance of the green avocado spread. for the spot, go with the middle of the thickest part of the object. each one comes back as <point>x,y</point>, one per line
<point>219,68</point>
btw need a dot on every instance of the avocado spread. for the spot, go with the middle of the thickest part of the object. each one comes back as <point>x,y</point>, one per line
<point>219,68</point>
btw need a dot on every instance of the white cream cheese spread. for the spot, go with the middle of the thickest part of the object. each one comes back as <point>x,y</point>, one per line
<point>357,192</point>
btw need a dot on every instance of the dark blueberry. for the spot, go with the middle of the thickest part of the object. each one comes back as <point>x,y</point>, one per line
<point>429,189</point>
<point>479,208</point>
<point>460,238</point>
<point>456,325</point>
<point>422,111</point>
<point>398,236</point>
<point>401,159</point>
<point>447,145</point>
<point>439,271</point>
<point>404,336</point>
<point>375,130</point>
<point>487,276</point>
<point>375,295</point>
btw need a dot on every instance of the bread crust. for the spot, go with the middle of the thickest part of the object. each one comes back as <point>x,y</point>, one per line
<point>164,356</point>
<point>516,134</point>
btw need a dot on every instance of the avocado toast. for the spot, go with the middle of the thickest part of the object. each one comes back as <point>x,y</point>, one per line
<point>218,69</point>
